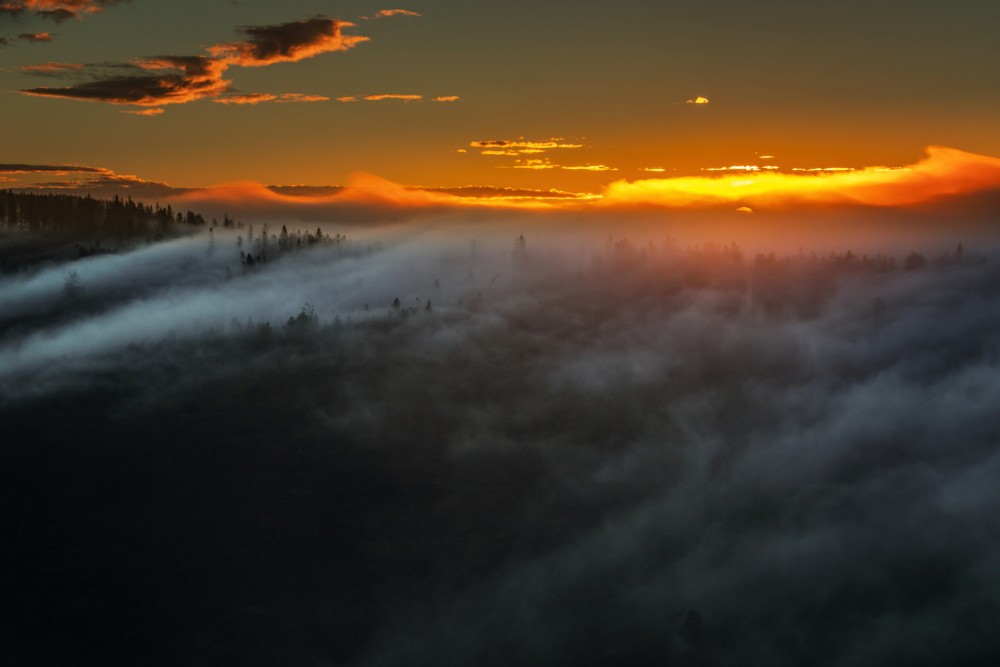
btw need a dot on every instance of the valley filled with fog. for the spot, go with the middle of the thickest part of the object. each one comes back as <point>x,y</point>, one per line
<point>430,443</point>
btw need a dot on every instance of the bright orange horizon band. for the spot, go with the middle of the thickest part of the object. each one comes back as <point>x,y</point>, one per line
<point>945,171</point>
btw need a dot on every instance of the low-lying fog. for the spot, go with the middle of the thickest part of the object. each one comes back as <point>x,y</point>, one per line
<point>450,447</point>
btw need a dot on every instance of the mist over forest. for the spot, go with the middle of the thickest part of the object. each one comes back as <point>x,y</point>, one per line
<point>434,442</point>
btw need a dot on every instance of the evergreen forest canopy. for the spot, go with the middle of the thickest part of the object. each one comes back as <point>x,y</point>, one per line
<point>85,216</point>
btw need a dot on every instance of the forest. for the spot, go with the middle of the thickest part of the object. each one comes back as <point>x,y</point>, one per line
<point>435,443</point>
<point>85,216</point>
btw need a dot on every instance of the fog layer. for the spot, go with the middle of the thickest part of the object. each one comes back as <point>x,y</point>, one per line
<point>457,447</point>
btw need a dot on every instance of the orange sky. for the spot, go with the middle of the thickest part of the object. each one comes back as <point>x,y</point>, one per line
<point>941,173</point>
<point>637,104</point>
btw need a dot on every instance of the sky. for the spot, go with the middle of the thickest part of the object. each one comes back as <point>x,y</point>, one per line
<point>572,96</point>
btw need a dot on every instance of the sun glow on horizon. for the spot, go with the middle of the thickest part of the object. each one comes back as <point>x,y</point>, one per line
<point>944,171</point>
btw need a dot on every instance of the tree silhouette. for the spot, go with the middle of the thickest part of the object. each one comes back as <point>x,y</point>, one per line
<point>520,250</point>
<point>914,261</point>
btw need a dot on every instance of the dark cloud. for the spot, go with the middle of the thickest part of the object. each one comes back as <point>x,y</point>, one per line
<point>483,192</point>
<point>492,191</point>
<point>306,190</point>
<point>56,10</point>
<point>177,79</point>
<point>8,168</point>
<point>111,184</point>
<point>52,69</point>
<point>288,42</point>
<point>58,15</point>
<point>86,181</point>
<point>132,90</point>
<point>166,80</point>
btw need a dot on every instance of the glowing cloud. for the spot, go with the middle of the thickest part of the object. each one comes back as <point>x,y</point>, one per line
<point>944,171</point>
<point>590,167</point>
<point>387,13</point>
<point>813,169</point>
<point>364,191</point>
<point>36,37</point>
<point>145,112</point>
<point>381,98</point>
<point>258,98</point>
<point>365,197</point>
<point>698,100</point>
<point>297,98</point>
<point>535,164</point>
<point>744,167</point>
<point>392,96</point>
<point>546,164</point>
<point>250,98</point>
<point>520,144</point>
<point>446,98</point>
